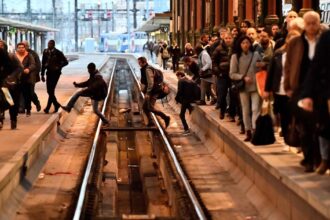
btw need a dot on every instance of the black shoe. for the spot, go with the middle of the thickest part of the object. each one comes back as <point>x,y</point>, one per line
<point>13,125</point>
<point>21,111</point>
<point>1,124</point>
<point>66,108</point>
<point>222,116</point>
<point>56,107</point>
<point>28,113</point>
<point>217,107</point>
<point>309,168</point>
<point>46,111</point>
<point>167,121</point>
<point>213,102</point>
<point>248,136</point>
<point>38,107</point>
<point>191,109</point>
<point>201,102</point>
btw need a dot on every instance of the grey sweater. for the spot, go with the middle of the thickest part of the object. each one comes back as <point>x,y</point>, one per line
<point>237,70</point>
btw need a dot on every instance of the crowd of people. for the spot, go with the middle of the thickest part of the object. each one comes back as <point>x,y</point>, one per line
<point>293,57</point>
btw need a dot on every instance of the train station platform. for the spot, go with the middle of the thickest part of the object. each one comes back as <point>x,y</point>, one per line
<point>270,175</point>
<point>272,178</point>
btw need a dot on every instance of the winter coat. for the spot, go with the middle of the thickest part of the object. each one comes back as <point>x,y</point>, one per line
<point>96,87</point>
<point>53,61</point>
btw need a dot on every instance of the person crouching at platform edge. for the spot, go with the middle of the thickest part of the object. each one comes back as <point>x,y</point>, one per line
<point>150,90</point>
<point>10,71</point>
<point>97,90</point>
<point>185,96</point>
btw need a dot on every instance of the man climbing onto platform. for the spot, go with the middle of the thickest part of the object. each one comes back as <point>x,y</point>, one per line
<point>151,91</point>
<point>97,90</point>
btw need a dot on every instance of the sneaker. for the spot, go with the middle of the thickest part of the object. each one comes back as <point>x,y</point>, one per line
<point>66,108</point>
<point>167,121</point>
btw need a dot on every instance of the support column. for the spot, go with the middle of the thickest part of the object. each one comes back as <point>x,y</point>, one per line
<point>249,10</point>
<point>218,11</point>
<point>271,15</point>
<point>198,20</point>
<point>230,17</point>
<point>306,6</point>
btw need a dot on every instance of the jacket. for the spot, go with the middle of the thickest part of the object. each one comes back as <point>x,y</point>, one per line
<point>53,61</point>
<point>316,84</point>
<point>28,63</point>
<point>37,61</point>
<point>274,72</point>
<point>96,87</point>
<point>238,67</point>
<point>148,80</point>
<point>221,60</point>
<point>295,51</point>
<point>186,91</point>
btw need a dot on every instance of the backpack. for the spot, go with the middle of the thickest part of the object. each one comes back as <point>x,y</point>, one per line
<point>160,86</point>
<point>165,54</point>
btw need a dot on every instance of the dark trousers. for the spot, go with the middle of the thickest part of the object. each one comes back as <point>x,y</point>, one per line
<point>13,110</point>
<point>27,92</point>
<point>184,107</point>
<point>175,63</point>
<point>149,106</point>
<point>281,106</point>
<point>34,97</point>
<point>51,82</point>
<point>307,129</point>
<point>222,91</point>
<point>164,63</point>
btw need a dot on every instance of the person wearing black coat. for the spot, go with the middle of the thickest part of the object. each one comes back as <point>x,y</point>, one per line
<point>10,71</point>
<point>53,60</point>
<point>96,90</point>
<point>220,68</point>
<point>316,96</point>
<point>185,96</point>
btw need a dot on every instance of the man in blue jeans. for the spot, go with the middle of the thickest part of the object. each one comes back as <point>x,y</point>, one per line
<point>96,90</point>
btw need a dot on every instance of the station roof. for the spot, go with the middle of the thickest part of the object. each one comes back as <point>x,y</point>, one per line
<point>25,25</point>
<point>154,22</point>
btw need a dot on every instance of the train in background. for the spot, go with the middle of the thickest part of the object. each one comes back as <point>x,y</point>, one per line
<point>325,11</point>
<point>122,42</point>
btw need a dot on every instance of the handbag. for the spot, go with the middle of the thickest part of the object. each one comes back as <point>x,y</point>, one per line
<point>293,136</point>
<point>239,85</point>
<point>205,74</point>
<point>264,133</point>
<point>6,101</point>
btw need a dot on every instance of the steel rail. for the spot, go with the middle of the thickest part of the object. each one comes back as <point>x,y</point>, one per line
<point>182,175</point>
<point>83,187</point>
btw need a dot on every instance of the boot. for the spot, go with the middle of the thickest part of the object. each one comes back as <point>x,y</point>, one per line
<point>322,168</point>
<point>248,136</point>
<point>13,125</point>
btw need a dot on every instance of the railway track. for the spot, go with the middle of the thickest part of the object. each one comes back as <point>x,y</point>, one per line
<point>145,179</point>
